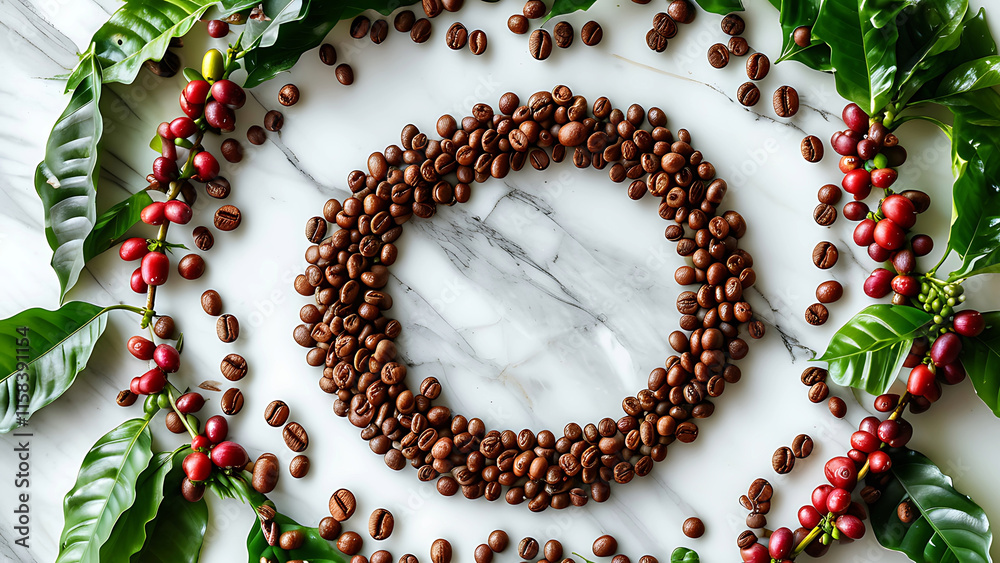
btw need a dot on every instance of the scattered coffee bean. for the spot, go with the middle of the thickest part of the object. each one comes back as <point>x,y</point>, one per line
<point>534,9</point>
<point>802,36</point>
<point>227,328</point>
<point>234,367</point>
<point>345,74</point>
<point>232,401</point>
<point>540,44</point>
<point>126,398</point>
<point>273,121</point>
<point>191,266</point>
<point>299,466</point>
<point>421,31</point>
<point>295,437</point>
<point>256,135</point>
<point>379,31</point>
<point>276,413</point>
<point>527,548</point>
<point>360,26</point>
<point>760,491</point>
<point>802,446</point>
<point>477,42</point>
<point>288,95</point>
<point>315,229</point>
<point>211,302</point>
<point>756,521</point>
<point>350,543</point>
<point>733,24</point>
<point>718,55</point>
<point>328,54</point>
<point>785,101</point>
<point>441,551</point>
<point>664,25</point>
<point>591,34</point>
<point>758,66</point>
<point>829,194</point>
<point>829,291</point>
<point>553,551</point>
<point>342,504</point>
<point>825,255</point>
<point>748,94</point>
<point>813,375</point>
<point>812,148</point>
<point>563,34</point>
<point>456,37</point>
<point>656,41</point>
<point>746,539</point>
<point>818,392</point>
<point>837,406</point>
<point>825,214</point>
<point>605,546</point>
<point>380,524</point>
<point>498,540</point>
<point>164,327</point>
<point>203,238</point>
<point>738,46</point>
<point>228,217</point>
<point>403,21</point>
<point>265,473</point>
<point>232,150</point>
<point>906,512</point>
<point>517,24</point>
<point>681,11</point>
<point>817,314</point>
<point>693,528</point>
<point>483,554</point>
<point>783,460</point>
<point>329,529</point>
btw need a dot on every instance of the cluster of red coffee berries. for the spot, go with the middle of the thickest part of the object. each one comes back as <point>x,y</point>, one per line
<point>212,452</point>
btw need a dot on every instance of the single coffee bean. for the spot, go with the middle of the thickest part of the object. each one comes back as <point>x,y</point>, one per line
<point>456,37</point>
<point>748,94</point>
<point>540,44</point>
<point>174,423</point>
<point>203,238</point>
<point>746,539</point>
<point>802,446</point>
<point>211,302</point>
<point>693,528</point>
<point>191,266</point>
<point>232,401</point>
<point>379,31</point>
<point>441,551</point>
<point>534,9</point>
<point>517,24</point>
<point>477,42</point>
<point>315,229</point>
<point>755,329</point>
<point>553,551</point>
<point>817,314</point>
<point>738,46</point>
<point>292,539</point>
<point>232,150</point>
<point>656,41</point>
<point>664,25</point>
<point>681,11</point>
<point>818,392</point>
<point>825,214</point>
<point>288,95</point>
<point>825,255</point>
<point>228,217</point>
<point>785,101</point>
<point>906,512</point>
<point>498,540</point>
<point>483,554</point>
<point>360,26</point>
<point>837,406</point>
<point>718,55</point>
<point>733,24</point>
<point>829,291</point>
<point>219,188</point>
<point>126,398</point>
<point>421,31</point>
<point>342,505</point>
<point>380,524</point>
<point>295,437</point>
<point>227,328</point>
<point>350,543</point>
<point>403,22</point>
<point>329,529</point>
<point>756,520</point>
<point>265,473</point>
<point>345,74</point>
<point>758,66</point>
<point>605,546</point>
<point>328,54</point>
<point>829,194</point>
<point>299,466</point>
<point>167,66</point>
<point>783,460</point>
<point>256,135</point>
<point>813,375</point>
<point>164,327</point>
<point>591,34</point>
<point>802,36</point>
<point>276,413</point>
<point>273,121</point>
<point>812,148</point>
<point>527,548</point>
<point>760,491</point>
<point>563,34</point>
<point>234,367</point>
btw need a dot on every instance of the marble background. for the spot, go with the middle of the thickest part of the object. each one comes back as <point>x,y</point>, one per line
<point>544,300</point>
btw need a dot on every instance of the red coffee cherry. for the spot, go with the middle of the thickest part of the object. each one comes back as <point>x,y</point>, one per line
<point>167,358</point>
<point>220,116</point>
<point>884,177</point>
<point>904,261</point>
<point>197,466</point>
<point>946,349</point>
<point>176,211</point>
<point>217,29</point>
<point>136,282</point>
<point>183,127</point>
<point>906,285</point>
<point>818,497</point>
<point>808,516</point>
<point>865,441</point>
<point>192,109</point>
<point>153,381</point>
<point>841,472</point>
<point>969,323</point>
<point>155,268</point>
<point>855,118</point>
<point>898,208</point>
<point>877,253</point>
<point>200,443</point>
<point>227,455</point>
<point>779,545</point>
<point>920,381</point>
<point>879,283</point>
<point>190,403</point>
<point>864,232</point>
<point>206,166</point>
<point>229,93</point>
<point>133,248</point>
<point>879,461</point>
<point>164,169</point>
<point>838,500</point>
<point>163,130</point>
<point>922,245</point>
<point>905,433</point>
<point>851,526</point>
<point>216,429</point>
<point>756,553</point>
<point>889,234</point>
<point>196,92</point>
<point>858,182</point>
<point>141,348</point>
<point>855,210</point>
<point>952,373</point>
<point>844,145</point>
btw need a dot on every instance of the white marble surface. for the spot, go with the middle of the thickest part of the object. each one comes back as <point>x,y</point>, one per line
<point>545,299</point>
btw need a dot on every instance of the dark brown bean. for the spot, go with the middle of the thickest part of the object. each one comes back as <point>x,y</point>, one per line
<point>379,31</point>
<point>203,238</point>
<point>299,466</point>
<point>605,546</point>
<point>733,24</point>
<point>211,302</point>
<point>345,74</point>
<point>295,437</point>
<point>718,55</point>
<point>540,44</point>
<point>802,446</point>
<point>273,120</point>
<point>825,255</point>
<point>342,505</point>
<point>817,314</point>
<point>758,66</point>
<point>738,46</point>
<point>233,367</point>
<point>783,460</point>
<point>288,95</point>
<point>785,101</point>
<point>517,24</point>
<point>829,291</point>
<point>837,406</point>
<point>693,527</point>
<point>232,401</point>
<point>591,34</point>
<point>477,42</point>
<point>456,37</point>
<point>812,148</point>
<point>748,94</point>
<point>276,413</point>
<point>228,217</point>
<point>380,524</point>
<point>421,30</point>
<point>328,54</point>
<point>403,22</point>
<point>818,392</point>
<point>563,34</point>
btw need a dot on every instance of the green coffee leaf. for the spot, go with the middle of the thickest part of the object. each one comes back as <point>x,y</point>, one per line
<point>177,533</point>
<point>795,14</point>
<point>684,555</point>
<point>867,352</point>
<point>563,7</point>
<point>42,354</point>
<point>975,41</point>
<point>721,7</point>
<point>112,225</point>
<point>981,358</point>
<point>315,548</point>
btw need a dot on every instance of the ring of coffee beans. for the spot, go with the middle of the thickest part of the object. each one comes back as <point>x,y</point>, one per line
<point>350,337</point>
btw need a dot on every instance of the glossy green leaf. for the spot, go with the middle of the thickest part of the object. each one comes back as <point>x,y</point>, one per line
<point>66,181</point>
<point>951,527</point>
<point>981,358</point>
<point>177,533</point>
<point>975,41</point>
<point>44,352</point>
<point>721,7</point>
<point>973,75</point>
<point>863,56</point>
<point>795,14</point>
<point>315,548</point>
<point>112,225</point>
<point>129,533</point>
<point>563,7</point>
<point>870,348</point>
<point>104,489</point>
<point>684,555</point>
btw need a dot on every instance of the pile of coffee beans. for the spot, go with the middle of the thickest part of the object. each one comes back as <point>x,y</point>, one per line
<point>352,340</point>
<point>757,502</point>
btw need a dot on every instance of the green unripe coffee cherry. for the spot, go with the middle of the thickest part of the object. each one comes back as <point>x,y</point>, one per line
<point>936,304</point>
<point>927,307</point>
<point>212,65</point>
<point>163,401</point>
<point>825,539</point>
<point>950,302</point>
<point>880,160</point>
<point>938,320</point>
<point>925,288</point>
<point>193,422</point>
<point>150,406</point>
<point>961,299</point>
<point>947,311</point>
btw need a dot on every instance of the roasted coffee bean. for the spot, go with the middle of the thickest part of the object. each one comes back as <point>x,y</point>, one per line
<point>232,150</point>
<point>421,30</point>
<point>295,437</point>
<point>379,31</point>
<point>817,314</point>
<point>441,551</point>
<point>748,94</point>
<point>288,95</point>
<point>315,229</point>
<point>738,46</point>
<point>191,267</point>
<point>829,194</point>
<point>165,67</point>
<point>203,238</point>
<point>360,26</point>
<point>802,446</point>
<point>756,520</point>
<point>256,135</point>
<point>299,466</point>
<point>527,548</point>
<point>211,302</point>
<point>656,41</point>
<point>456,37</point>
<point>605,546</point>
<point>380,524</point>
<point>907,512</point>
<point>265,473</point>
<point>783,460</point>
<point>758,66</point>
<point>755,329</point>
<point>350,543</point>
<point>813,375</point>
<point>233,367</point>
<point>126,398</point>
<point>342,505</point>
<point>540,44</point>
<point>227,328</point>
<point>591,34</point>
<point>232,401</point>
<point>345,74</point>
<point>328,54</point>
<point>829,291</point>
<point>825,214</point>
<point>664,25</point>
<point>276,413</point>
<point>812,148</point>
<point>733,24</point>
<point>483,554</point>
<point>563,34</point>
<point>785,101</point>
<point>273,121</point>
<point>837,406</point>
<point>477,44</point>
<point>718,55</point>
<point>681,11</point>
<point>818,392</point>
<point>746,539</point>
<point>870,494</point>
<point>825,255</point>
<point>517,24</point>
<point>760,491</point>
<point>227,218</point>
<point>498,540</point>
<point>693,528</point>
<point>218,187</point>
